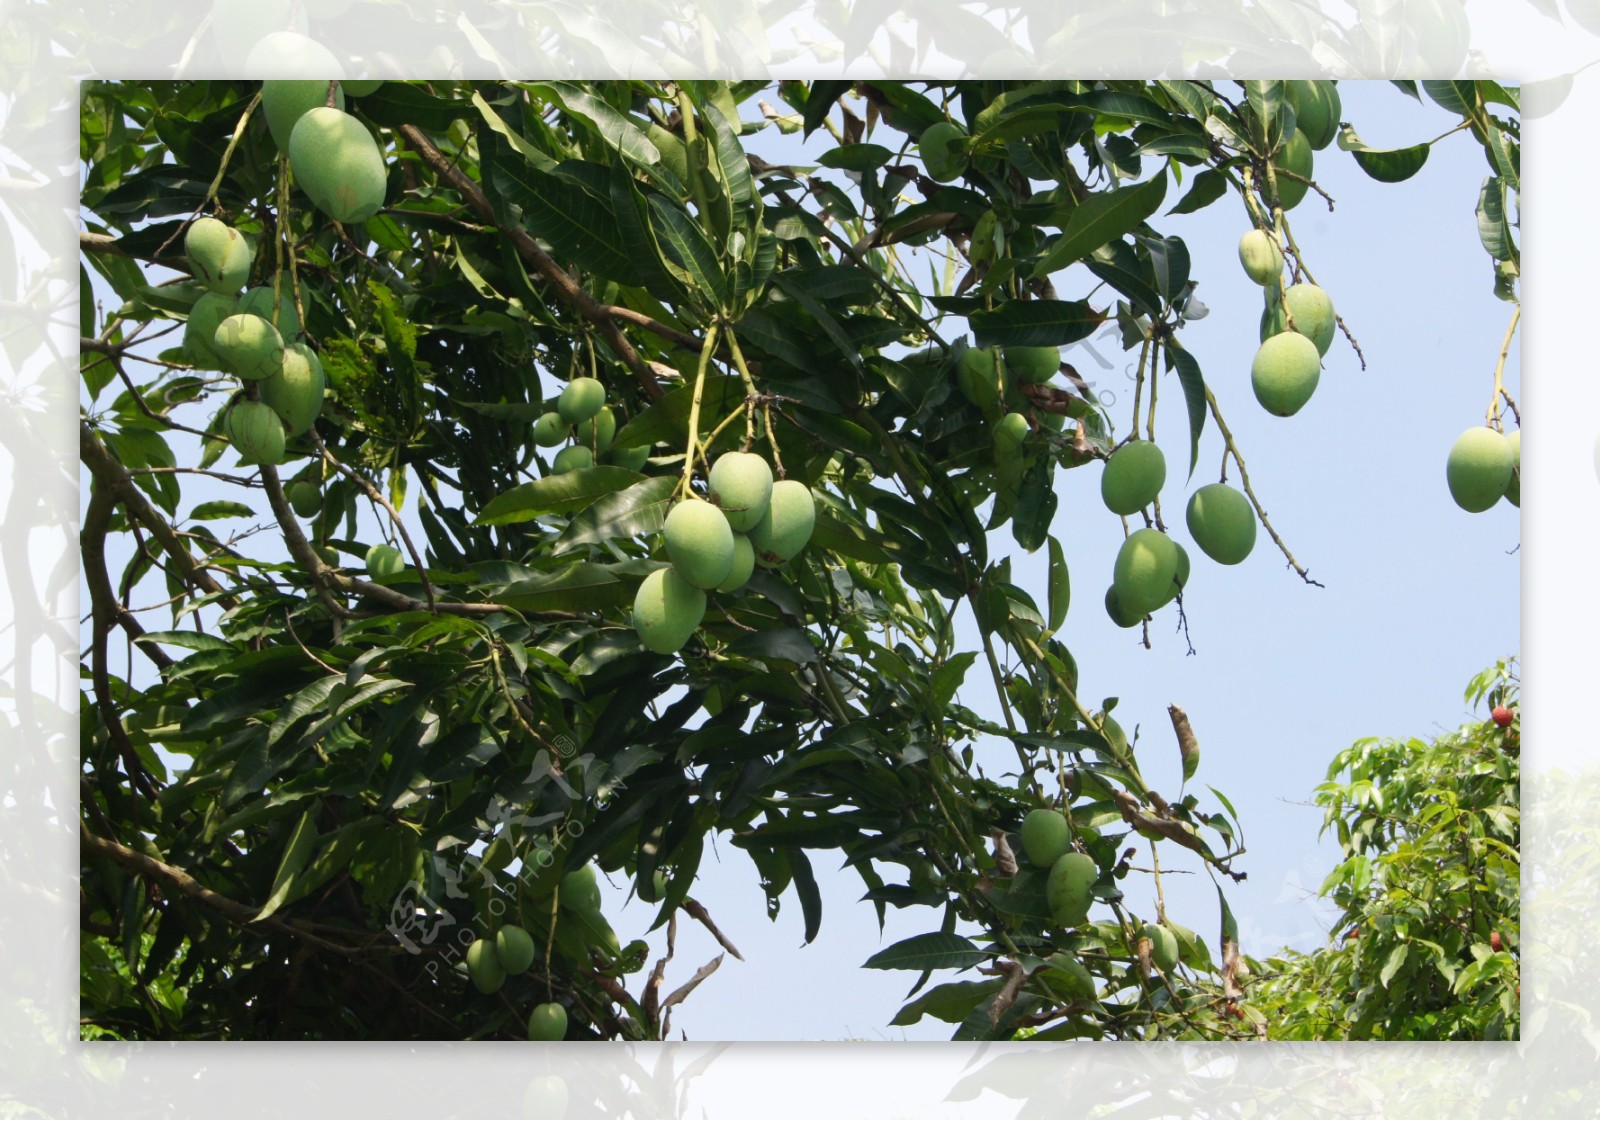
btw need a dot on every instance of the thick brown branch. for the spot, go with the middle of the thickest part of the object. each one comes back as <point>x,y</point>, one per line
<point>175,877</point>
<point>602,315</point>
<point>115,478</point>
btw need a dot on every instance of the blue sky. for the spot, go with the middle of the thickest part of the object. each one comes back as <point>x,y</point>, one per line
<point>1419,595</point>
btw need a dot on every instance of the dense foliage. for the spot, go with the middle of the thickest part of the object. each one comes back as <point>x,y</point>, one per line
<point>358,740</point>
<point>1426,943</point>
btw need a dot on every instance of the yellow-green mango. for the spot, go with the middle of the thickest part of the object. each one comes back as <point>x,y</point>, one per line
<point>1133,477</point>
<point>1312,313</point>
<point>1285,372</point>
<point>255,432</point>
<point>295,392</point>
<point>218,254</point>
<point>250,347</point>
<point>484,967</point>
<point>1479,468</point>
<point>1046,836</point>
<point>1145,569</point>
<point>666,610</point>
<point>1222,522</point>
<point>581,399</point>
<point>285,102</point>
<point>699,542</point>
<point>1069,889</point>
<point>740,485</point>
<point>791,516</point>
<point>338,165</point>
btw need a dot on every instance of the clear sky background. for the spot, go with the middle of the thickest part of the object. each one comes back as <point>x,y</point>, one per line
<point>1419,595</point>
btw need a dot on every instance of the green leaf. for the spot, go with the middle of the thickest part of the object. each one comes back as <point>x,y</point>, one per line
<point>787,644</point>
<point>1386,166</point>
<point>1100,218</point>
<point>952,1002</point>
<point>578,587</point>
<point>189,640</point>
<point>555,494</point>
<point>1035,323</point>
<point>1194,395</point>
<point>221,508</point>
<point>805,885</point>
<point>1207,188</point>
<point>1060,585</point>
<point>1493,230</point>
<point>820,99</point>
<point>312,698</point>
<point>296,853</point>
<point>856,157</point>
<point>948,677</point>
<point>1396,959</point>
<point>939,950</point>
<point>637,511</point>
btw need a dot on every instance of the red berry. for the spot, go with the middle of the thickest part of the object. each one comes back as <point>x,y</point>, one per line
<point>1494,941</point>
<point>1501,715</point>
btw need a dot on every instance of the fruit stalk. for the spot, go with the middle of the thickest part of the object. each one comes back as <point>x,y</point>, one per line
<point>693,446</point>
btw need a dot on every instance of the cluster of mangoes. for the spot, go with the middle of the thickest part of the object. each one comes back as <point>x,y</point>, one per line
<point>254,337</point>
<point>510,952</point>
<point>714,544</point>
<point>1297,328</point>
<point>1485,466</point>
<point>582,417</point>
<point>1151,568</point>
<point>1046,838</point>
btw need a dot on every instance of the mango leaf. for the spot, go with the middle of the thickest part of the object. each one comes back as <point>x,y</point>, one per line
<point>939,950</point>
<point>555,494</point>
<point>952,1002</point>
<point>1194,394</point>
<point>635,512</point>
<point>221,508</point>
<point>1035,323</point>
<point>1100,218</point>
<point>1386,166</point>
<point>295,855</point>
<point>579,587</point>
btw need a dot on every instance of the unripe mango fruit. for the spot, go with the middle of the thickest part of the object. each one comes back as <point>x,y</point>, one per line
<point>634,459</point>
<point>1312,313</point>
<point>1479,468</point>
<point>278,311</point>
<point>581,399</point>
<point>598,431</point>
<point>360,87</point>
<point>744,564</point>
<point>338,165</point>
<point>1133,477</point>
<point>978,379</point>
<point>1046,836</point>
<point>740,485</point>
<point>384,560</point>
<point>483,966</point>
<point>295,392</point>
<point>304,498</point>
<point>580,888</point>
<point>699,542</point>
<point>1514,487</point>
<point>1222,523</point>
<point>1260,256</point>
<point>198,334</point>
<point>1163,946</point>
<point>944,151</point>
<point>1316,111</point>
<point>285,102</point>
<point>255,432</point>
<point>573,458</point>
<point>1120,615</point>
<point>791,516</point>
<point>218,254</point>
<point>1294,157</point>
<point>547,1024</point>
<point>1145,569</point>
<point>1069,889</point>
<point>514,947</point>
<point>1285,372</point>
<point>1033,364</point>
<point>250,348</point>
<point>549,430</point>
<point>666,611</point>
